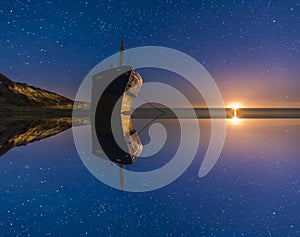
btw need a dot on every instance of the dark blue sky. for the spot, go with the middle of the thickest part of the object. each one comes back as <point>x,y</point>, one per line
<point>252,51</point>
<point>53,44</point>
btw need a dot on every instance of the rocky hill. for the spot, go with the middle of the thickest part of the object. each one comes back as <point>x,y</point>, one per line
<point>14,95</point>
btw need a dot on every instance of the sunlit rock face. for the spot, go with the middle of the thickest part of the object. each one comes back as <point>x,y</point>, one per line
<point>14,96</point>
<point>113,133</point>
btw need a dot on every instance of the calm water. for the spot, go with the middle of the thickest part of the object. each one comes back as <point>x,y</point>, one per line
<point>253,190</point>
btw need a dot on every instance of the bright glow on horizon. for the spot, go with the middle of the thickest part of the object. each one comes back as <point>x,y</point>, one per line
<point>235,120</point>
<point>235,106</point>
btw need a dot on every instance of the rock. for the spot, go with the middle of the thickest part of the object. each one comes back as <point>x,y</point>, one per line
<point>15,96</point>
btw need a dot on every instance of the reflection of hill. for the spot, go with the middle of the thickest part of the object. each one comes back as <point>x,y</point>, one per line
<point>15,132</point>
<point>20,131</point>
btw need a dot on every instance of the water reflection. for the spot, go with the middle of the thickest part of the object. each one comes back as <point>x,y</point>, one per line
<point>252,191</point>
<point>20,131</point>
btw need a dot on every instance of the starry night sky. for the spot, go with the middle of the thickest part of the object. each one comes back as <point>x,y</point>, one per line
<point>252,51</point>
<point>245,45</point>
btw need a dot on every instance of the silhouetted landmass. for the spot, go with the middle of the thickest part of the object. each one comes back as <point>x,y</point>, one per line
<point>216,113</point>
